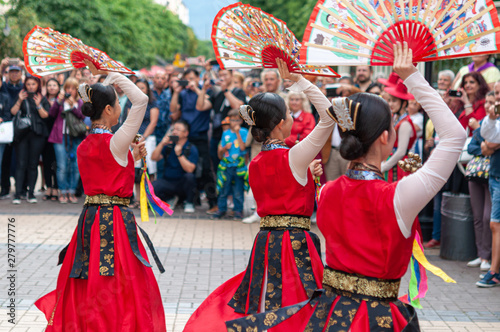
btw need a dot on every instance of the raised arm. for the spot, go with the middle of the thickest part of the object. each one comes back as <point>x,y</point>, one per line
<point>304,152</point>
<point>121,140</point>
<point>404,134</point>
<point>415,191</point>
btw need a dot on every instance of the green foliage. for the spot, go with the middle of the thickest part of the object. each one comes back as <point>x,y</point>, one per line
<point>295,13</point>
<point>134,32</point>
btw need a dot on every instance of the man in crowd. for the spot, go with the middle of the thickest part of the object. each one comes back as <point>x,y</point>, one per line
<point>125,105</point>
<point>191,104</point>
<point>181,157</point>
<point>224,97</point>
<point>162,95</point>
<point>445,78</point>
<point>363,77</point>
<point>272,81</point>
<point>12,88</point>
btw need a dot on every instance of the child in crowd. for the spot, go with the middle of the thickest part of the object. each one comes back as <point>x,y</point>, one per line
<point>232,171</point>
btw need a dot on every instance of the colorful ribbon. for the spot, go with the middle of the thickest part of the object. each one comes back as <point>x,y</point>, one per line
<point>418,286</point>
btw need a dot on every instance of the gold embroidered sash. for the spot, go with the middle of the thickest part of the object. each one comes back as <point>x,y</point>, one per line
<point>102,199</point>
<point>358,284</point>
<point>285,222</point>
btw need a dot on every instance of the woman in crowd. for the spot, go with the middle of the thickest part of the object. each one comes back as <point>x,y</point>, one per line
<point>406,132</point>
<point>285,265</point>
<point>48,153</point>
<point>370,229</point>
<point>415,110</point>
<point>64,144</point>
<point>303,120</point>
<point>106,282</point>
<point>474,89</point>
<point>29,146</point>
<point>480,198</point>
<point>146,129</point>
<point>375,88</point>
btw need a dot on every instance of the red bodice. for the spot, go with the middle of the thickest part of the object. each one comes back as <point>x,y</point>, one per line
<point>275,189</point>
<point>99,171</point>
<point>358,221</point>
<point>413,138</point>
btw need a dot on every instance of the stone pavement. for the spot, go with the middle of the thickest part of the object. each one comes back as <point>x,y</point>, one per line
<point>199,255</point>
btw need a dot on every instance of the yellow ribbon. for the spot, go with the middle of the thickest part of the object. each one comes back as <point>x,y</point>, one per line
<point>419,255</point>
<point>144,199</point>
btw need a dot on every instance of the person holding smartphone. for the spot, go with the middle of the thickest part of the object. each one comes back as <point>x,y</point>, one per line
<point>64,145</point>
<point>28,147</point>
<point>178,180</point>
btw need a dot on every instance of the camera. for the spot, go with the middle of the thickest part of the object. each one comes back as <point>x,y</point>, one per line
<point>67,95</point>
<point>454,93</point>
<point>183,83</point>
<point>256,84</point>
<point>31,94</point>
<point>497,109</point>
<point>214,62</point>
<point>331,90</point>
<point>173,139</point>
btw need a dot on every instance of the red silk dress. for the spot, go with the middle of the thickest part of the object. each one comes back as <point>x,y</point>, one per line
<point>285,266</point>
<point>105,282</point>
<point>396,173</point>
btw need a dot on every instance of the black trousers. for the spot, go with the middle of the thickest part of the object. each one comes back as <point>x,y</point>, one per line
<point>28,151</point>
<point>49,165</point>
<point>207,179</point>
<point>7,169</point>
<point>185,188</point>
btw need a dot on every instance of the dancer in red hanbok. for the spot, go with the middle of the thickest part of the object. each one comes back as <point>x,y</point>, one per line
<point>106,282</point>
<point>285,266</point>
<point>367,222</point>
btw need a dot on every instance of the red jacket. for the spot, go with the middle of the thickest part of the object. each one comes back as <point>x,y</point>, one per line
<point>302,126</point>
<point>478,113</point>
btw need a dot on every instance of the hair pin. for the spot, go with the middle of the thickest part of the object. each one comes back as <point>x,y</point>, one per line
<point>340,112</point>
<point>85,92</point>
<point>244,113</point>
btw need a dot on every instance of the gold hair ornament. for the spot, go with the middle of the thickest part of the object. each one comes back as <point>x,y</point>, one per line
<point>244,113</point>
<point>85,92</point>
<point>341,111</point>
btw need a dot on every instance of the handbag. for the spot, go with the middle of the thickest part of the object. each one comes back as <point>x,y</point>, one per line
<point>478,169</point>
<point>465,156</point>
<point>22,124</point>
<point>6,132</point>
<point>74,125</point>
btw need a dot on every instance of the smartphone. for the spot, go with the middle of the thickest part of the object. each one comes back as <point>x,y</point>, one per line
<point>214,62</point>
<point>183,83</point>
<point>331,90</point>
<point>497,109</point>
<point>31,94</point>
<point>174,139</point>
<point>67,95</point>
<point>13,61</point>
<point>256,84</point>
<point>454,93</point>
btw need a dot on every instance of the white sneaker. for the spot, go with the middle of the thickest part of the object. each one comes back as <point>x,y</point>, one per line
<point>189,208</point>
<point>474,263</point>
<point>172,202</point>
<point>251,219</point>
<point>32,200</point>
<point>16,201</point>
<point>485,266</point>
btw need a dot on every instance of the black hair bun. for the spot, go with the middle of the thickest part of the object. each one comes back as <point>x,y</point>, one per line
<point>351,147</point>
<point>260,134</point>
<point>88,109</point>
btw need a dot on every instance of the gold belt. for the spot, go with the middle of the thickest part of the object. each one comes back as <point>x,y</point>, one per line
<point>102,199</point>
<point>358,284</point>
<point>285,221</point>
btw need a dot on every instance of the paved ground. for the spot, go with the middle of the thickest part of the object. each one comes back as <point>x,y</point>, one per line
<point>199,255</point>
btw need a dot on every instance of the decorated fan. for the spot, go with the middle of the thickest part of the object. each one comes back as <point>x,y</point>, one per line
<point>47,51</point>
<point>356,32</point>
<point>246,37</point>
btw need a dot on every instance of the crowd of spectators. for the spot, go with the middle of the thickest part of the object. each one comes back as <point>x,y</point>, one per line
<point>199,148</point>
